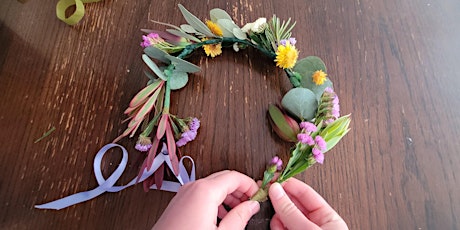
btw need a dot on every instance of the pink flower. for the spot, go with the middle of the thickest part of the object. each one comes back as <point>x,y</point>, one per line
<point>189,135</point>
<point>320,143</point>
<point>151,39</point>
<point>319,158</point>
<point>309,127</point>
<point>276,161</point>
<point>305,139</point>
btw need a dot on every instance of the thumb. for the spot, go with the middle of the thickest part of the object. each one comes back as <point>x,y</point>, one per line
<point>291,217</point>
<point>239,216</point>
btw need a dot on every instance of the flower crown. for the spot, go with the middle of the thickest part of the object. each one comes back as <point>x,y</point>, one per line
<point>308,115</point>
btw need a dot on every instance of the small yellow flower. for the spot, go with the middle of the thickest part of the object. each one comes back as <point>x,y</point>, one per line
<point>215,29</point>
<point>319,77</point>
<point>286,56</point>
<point>213,50</point>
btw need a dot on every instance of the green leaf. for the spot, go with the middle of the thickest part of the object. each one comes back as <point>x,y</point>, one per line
<point>154,67</point>
<point>311,63</point>
<point>188,28</point>
<point>318,90</point>
<point>281,124</point>
<point>300,102</point>
<point>217,14</point>
<point>182,65</point>
<point>239,33</point>
<point>178,79</point>
<point>306,67</point>
<point>227,27</point>
<point>182,34</point>
<point>196,23</point>
<point>156,53</point>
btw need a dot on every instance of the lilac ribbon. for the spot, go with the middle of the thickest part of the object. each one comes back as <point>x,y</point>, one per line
<point>108,185</point>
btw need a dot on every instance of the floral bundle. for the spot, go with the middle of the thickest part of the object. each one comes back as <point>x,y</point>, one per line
<point>309,114</point>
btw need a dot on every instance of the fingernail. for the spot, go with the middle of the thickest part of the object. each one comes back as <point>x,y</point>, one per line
<point>276,191</point>
<point>254,206</point>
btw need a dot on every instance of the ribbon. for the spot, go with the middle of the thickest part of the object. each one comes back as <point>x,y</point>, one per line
<point>73,19</point>
<point>108,185</point>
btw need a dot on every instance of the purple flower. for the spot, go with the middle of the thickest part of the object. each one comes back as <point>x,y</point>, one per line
<point>276,161</point>
<point>292,41</point>
<point>194,124</point>
<point>309,127</point>
<point>330,104</point>
<point>305,139</point>
<point>319,158</point>
<point>320,143</point>
<point>143,144</point>
<point>189,135</point>
<point>316,151</point>
<point>151,39</point>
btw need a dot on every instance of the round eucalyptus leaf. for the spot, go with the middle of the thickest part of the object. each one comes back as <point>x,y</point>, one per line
<point>311,63</point>
<point>318,90</point>
<point>178,79</point>
<point>300,102</point>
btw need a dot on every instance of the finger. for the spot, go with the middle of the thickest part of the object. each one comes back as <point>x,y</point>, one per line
<point>229,182</point>
<point>276,224</point>
<point>221,212</point>
<point>217,174</point>
<point>239,216</point>
<point>313,204</point>
<point>289,214</point>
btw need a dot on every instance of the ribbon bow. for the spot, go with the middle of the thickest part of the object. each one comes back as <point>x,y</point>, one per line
<point>108,185</point>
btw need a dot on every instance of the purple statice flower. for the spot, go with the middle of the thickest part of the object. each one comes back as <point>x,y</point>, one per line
<point>330,101</point>
<point>190,134</point>
<point>319,158</point>
<point>305,139</point>
<point>276,161</point>
<point>291,41</point>
<point>308,126</point>
<point>151,39</point>
<point>143,144</point>
<point>321,143</point>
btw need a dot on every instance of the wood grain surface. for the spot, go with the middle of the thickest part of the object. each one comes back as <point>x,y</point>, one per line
<point>394,65</point>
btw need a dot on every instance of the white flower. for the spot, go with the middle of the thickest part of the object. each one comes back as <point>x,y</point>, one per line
<point>259,25</point>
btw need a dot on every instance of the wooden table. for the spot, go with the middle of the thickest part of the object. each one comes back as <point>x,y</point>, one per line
<point>394,65</point>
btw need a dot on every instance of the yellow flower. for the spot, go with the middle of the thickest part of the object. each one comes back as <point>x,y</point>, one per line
<point>213,49</point>
<point>286,56</point>
<point>215,29</point>
<point>319,77</point>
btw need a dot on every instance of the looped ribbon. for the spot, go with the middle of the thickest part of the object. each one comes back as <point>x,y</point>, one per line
<point>73,19</point>
<point>108,185</point>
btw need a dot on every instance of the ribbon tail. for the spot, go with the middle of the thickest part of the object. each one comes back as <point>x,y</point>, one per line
<point>72,199</point>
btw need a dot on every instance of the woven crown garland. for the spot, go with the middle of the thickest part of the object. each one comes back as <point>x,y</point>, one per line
<point>308,116</point>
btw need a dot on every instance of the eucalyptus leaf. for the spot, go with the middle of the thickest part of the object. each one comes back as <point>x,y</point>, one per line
<point>178,79</point>
<point>300,102</point>
<point>307,82</point>
<point>153,67</point>
<point>188,28</point>
<point>184,35</point>
<point>182,65</point>
<point>196,23</point>
<point>156,53</point>
<point>217,14</point>
<point>227,27</point>
<point>239,33</point>
<point>311,63</point>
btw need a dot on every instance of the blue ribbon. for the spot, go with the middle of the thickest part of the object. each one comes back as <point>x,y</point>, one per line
<point>108,185</point>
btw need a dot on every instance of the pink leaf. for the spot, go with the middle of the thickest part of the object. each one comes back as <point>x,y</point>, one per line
<point>152,153</point>
<point>172,149</point>
<point>148,183</point>
<point>144,94</point>
<point>162,126</point>
<point>158,175</point>
<point>139,175</point>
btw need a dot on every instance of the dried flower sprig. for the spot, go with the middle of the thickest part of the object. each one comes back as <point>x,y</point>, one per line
<point>308,114</point>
